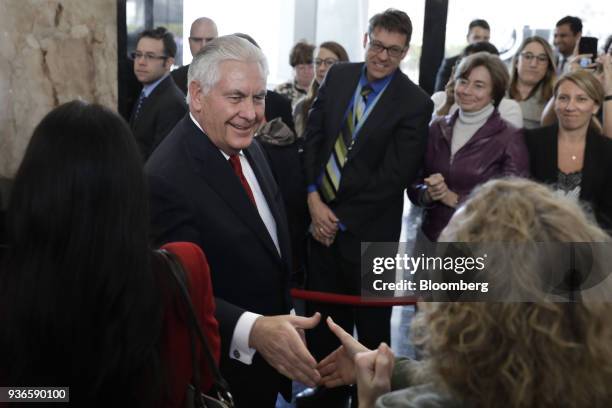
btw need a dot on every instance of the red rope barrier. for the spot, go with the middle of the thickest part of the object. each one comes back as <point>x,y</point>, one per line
<point>351,300</point>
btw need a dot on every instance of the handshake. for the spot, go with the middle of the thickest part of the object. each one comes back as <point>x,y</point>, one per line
<point>281,342</point>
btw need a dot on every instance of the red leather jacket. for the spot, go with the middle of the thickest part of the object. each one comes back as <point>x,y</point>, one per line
<point>496,150</point>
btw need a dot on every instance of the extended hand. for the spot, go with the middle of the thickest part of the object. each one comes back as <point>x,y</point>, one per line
<point>374,370</point>
<point>277,339</point>
<point>338,368</point>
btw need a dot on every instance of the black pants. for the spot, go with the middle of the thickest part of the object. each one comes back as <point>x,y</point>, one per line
<point>337,270</point>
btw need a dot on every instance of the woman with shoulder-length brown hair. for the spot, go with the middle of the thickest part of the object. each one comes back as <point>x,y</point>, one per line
<point>471,146</point>
<point>532,77</point>
<point>328,54</point>
<point>573,156</point>
<point>514,354</point>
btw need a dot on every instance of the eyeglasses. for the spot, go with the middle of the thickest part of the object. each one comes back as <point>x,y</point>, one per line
<point>147,56</point>
<point>394,51</point>
<point>528,56</point>
<point>328,62</point>
<point>201,39</point>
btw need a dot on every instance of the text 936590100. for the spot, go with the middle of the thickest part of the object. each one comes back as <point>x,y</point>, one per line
<point>34,394</point>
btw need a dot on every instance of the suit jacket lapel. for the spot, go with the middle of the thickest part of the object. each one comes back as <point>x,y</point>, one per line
<point>219,175</point>
<point>267,184</point>
<point>378,116</point>
<point>342,97</point>
<point>149,101</point>
<point>543,153</point>
<point>551,155</point>
<point>590,172</point>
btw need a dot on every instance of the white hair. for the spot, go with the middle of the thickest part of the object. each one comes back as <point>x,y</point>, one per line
<point>205,66</point>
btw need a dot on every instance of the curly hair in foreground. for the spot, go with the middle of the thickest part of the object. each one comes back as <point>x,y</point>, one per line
<point>540,354</point>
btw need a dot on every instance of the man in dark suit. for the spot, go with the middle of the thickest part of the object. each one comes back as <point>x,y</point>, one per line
<point>478,31</point>
<point>211,185</point>
<point>568,32</point>
<point>203,30</point>
<point>160,104</point>
<point>356,173</point>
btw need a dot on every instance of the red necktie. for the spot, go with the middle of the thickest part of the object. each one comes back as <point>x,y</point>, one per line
<point>235,163</point>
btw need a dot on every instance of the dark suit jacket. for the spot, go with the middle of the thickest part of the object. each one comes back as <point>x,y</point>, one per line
<point>180,77</point>
<point>279,106</point>
<point>385,158</point>
<point>158,114</point>
<point>444,72</point>
<point>596,187</point>
<point>196,197</point>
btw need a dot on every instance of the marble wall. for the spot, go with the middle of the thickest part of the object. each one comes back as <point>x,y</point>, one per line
<point>52,51</point>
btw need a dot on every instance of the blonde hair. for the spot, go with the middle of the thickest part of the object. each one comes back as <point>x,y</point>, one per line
<point>546,84</point>
<point>540,354</point>
<point>589,84</point>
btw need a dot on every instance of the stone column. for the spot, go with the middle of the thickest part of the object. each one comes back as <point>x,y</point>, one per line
<point>51,52</point>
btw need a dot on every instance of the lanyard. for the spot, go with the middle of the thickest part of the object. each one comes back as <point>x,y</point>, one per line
<point>357,99</point>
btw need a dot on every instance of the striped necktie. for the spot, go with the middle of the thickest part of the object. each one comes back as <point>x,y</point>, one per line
<point>344,143</point>
<point>139,104</point>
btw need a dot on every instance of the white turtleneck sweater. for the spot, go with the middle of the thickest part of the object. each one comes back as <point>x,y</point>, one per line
<point>466,125</point>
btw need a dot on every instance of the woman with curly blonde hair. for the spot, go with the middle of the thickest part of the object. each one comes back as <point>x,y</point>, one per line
<point>530,354</point>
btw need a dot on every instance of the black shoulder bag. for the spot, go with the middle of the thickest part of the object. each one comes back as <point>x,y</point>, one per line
<point>194,396</point>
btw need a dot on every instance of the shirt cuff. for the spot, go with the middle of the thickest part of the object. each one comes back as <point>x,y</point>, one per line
<point>239,347</point>
<point>312,188</point>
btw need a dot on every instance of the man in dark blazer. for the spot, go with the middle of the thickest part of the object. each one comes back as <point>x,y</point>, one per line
<point>203,30</point>
<point>384,151</point>
<point>478,31</point>
<point>211,184</point>
<point>160,104</point>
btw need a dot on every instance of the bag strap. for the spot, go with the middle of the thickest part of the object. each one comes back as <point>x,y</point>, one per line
<point>177,271</point>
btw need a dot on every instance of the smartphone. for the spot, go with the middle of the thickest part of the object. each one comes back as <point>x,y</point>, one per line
<point>588,45</point>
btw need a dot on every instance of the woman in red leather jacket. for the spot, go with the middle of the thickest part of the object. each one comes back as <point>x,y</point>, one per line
<point>84,303</point>
<point>471,146</point>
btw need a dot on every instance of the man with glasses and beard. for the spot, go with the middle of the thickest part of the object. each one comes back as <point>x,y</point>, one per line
<point>161,103</point>
<point>364,144</point>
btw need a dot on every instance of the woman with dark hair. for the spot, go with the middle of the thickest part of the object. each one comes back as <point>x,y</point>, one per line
<point>300,60</point>
<point>328,53</point>
<point>471,146</point>
<point>532,77</point>
<point>83,302</point>
<point>573,155</point>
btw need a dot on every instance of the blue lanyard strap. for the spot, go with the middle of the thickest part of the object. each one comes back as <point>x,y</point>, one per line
<point>356,100</point>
